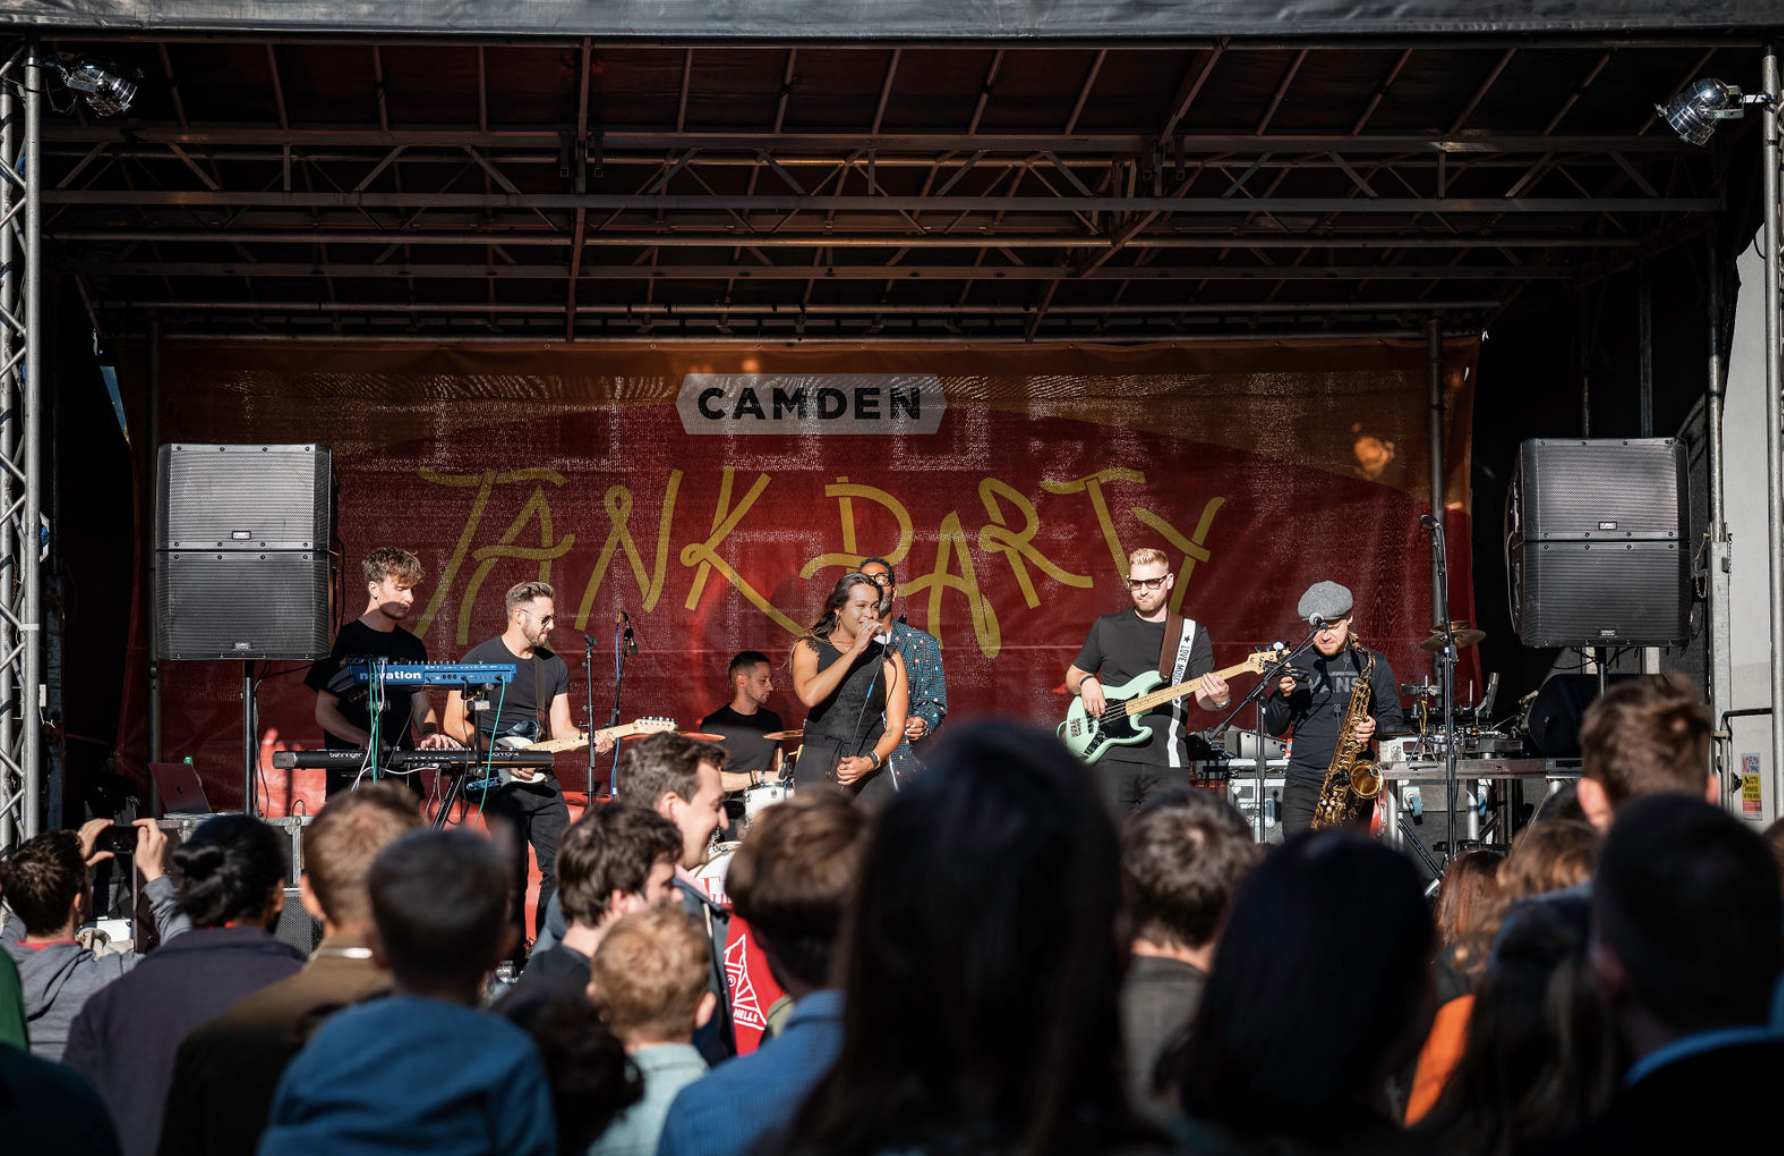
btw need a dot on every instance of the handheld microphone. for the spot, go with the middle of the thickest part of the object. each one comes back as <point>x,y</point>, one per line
<point>882,638</point>
<point>631,643</point>
<point>1428,521</point>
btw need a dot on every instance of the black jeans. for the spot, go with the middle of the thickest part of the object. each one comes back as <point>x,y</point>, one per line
<point>1300,798</point>
<point>1125,786</point>
<point>537,815</point>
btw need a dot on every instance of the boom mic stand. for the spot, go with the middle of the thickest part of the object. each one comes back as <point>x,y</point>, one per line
<point>623,644</point>
<point>588,672</point>
<point>1447,658</point>
<point>1256,695</point>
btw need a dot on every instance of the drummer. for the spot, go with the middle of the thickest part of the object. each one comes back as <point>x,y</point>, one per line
<point>745,723</point>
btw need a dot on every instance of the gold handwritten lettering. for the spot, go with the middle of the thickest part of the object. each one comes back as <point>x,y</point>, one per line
<point>1193,549</point>
<point>485,483</point>
<point>617,501</point>
<point>845,493</point>
<point>488,557</point>
<point>705,554</point>
<point>1093,485</point>
<point>1019,544</point>
<point>952,542</point>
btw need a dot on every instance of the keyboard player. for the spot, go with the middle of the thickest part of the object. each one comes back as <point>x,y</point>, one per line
<point>407,720</point>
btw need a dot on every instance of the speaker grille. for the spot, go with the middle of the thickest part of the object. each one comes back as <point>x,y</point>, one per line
<point>1604,594</point>
<point>1598,489</point>
<point>242,497</point>
<point>236,604</point>
<point>1593,546</point>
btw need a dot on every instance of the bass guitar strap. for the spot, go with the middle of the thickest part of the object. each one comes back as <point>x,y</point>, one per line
<point>1173,664</point>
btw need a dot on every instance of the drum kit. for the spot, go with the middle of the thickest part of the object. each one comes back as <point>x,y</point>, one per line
<point>1476,734</point>
<point>756,799</point>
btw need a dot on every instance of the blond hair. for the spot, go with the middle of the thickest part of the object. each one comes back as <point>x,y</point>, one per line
<point>1145,556</point>
<point>650,973</point>
<point>392,562</point>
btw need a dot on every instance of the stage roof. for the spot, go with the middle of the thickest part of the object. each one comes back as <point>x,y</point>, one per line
<point>757,185</point>
<point>915,21</point>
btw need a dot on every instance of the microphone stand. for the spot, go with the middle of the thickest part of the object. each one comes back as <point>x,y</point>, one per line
<point>622,645</point>
<point>1256,695</point>
<point>588,670</point>
<point>1446,666</point>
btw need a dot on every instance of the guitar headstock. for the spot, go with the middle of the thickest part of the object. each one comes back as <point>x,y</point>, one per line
<point>654,724</point>
<point>1265,656</point>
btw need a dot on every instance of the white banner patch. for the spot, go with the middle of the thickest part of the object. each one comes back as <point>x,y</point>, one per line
<point>810,403</point>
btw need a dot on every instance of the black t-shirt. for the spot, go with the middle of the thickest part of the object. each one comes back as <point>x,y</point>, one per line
<point>1317,708</point>
<point>745,747</point>
<point>357,640</point>
<point>537,681</point>
<point>1123,646</point>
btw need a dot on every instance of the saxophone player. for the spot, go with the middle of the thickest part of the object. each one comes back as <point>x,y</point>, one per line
<point>1316,709</point>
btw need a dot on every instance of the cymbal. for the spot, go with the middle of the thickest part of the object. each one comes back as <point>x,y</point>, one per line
<point>703,737</point>
<point>783,736</point>
<point>1463,638</point>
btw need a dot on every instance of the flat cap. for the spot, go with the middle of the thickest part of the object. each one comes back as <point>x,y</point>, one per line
<point>1328,600</point>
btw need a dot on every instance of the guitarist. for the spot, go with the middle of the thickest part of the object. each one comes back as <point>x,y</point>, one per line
<point>1127,644</point>
<point>538,700</point>
<point>1316,708</point>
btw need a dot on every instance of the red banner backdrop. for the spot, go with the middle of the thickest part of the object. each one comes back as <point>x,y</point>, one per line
<point>1258,469</point>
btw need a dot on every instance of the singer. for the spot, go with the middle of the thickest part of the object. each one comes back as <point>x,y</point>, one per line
<point>857,691</point>
<point>1128,643</point>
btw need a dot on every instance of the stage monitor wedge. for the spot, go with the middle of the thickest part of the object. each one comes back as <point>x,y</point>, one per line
<point>1594,542</point>
<point>241,560</point>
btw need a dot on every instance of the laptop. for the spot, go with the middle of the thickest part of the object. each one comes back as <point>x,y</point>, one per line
<point>181,791</point>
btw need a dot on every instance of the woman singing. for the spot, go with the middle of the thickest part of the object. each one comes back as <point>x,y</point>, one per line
<point>856,692</point>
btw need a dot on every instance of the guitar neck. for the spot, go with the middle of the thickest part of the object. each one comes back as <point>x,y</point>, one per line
<point>1146,702</point>
<point>558,746</point>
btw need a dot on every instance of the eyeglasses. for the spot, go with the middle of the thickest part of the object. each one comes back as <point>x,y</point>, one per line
<point>545,621</point>
<point>1148,583</point>
<point>880,579</point>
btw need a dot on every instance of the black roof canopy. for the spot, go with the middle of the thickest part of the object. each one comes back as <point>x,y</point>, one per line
<point>728,188</point>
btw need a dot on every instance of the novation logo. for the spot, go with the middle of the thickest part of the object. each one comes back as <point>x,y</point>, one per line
<point>810,403</point>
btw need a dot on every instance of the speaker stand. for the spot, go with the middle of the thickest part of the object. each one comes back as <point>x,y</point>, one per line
<point>250,739</point>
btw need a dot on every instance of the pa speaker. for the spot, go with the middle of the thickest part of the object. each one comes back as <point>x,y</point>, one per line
<point>242,565</point>
<point>1593,540</point>
<point>1553,722</point>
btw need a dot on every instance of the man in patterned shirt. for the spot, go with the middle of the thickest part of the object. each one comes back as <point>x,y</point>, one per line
<point>923,659</point>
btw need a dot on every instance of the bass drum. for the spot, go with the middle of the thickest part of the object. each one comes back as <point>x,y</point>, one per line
<point>759,798</point>
<point>711,875</point>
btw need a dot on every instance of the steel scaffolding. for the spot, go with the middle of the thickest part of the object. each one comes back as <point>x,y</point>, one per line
<point>21,657</point>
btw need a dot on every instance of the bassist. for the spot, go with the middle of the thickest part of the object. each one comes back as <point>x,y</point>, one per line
<point>1126,644</point>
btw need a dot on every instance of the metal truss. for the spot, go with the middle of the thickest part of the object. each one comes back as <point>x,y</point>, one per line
<point>606,230</point>
<point>21,754</point>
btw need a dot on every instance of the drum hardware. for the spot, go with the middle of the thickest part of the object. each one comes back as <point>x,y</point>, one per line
<point>783,736</point>
<point>1463,635</point>
<point>703,737</point>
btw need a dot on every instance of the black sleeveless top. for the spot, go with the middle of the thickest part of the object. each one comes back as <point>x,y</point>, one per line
<point>854,714</point>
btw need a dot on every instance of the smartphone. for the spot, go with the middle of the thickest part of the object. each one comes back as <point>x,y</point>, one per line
<point>119,839</point>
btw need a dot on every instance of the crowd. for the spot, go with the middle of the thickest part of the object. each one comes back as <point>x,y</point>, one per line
<point>984,965</point>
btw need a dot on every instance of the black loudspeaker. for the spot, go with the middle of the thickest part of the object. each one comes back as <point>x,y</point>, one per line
<point>296,926</point>
<point>1593,542</point>
<point>241,540</point>
<point>1553,722</point>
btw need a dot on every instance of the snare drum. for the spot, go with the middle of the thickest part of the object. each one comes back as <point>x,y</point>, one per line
<point>759,798</point>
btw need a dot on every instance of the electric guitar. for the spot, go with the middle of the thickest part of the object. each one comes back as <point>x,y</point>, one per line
<point>522,736</point>
<point>1119,725</point>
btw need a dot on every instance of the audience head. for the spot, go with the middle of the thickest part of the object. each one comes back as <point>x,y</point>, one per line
<point>615,860</point>
<point>1774,841</point>
<point>440,901</point>
<point>1545,857</point>
<point>1539,1059</point>
<point>678,778</point>
<point>1183,856</point>
<point>981,962</point>
<point>1465,903</point>
<point>1321,988</point>
<point>232,870</point>
<point>1688,935</point>
<point>1644,736</point>
<point>592,1082</point>
<point>793,879</point>
<point>649,977</point>
<point>340,845</point>
<point>45,880</point>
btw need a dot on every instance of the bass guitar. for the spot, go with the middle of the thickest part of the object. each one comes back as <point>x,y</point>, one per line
<point>1120,723</point>
<point>522,738</point>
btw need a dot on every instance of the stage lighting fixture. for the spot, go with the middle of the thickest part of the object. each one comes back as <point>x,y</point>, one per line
<point>1695,112</point>
<point>108,91</point>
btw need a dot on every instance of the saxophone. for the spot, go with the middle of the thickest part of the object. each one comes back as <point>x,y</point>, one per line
<point>1351,778</point>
